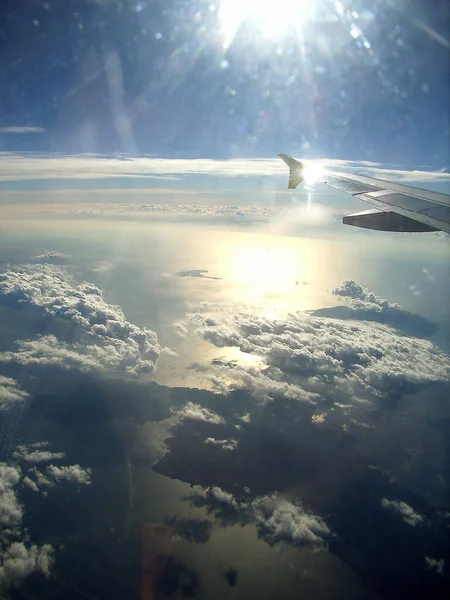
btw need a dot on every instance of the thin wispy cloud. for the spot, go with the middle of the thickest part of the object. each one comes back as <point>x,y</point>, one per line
<point>14,167</point>
<point>21,130</point>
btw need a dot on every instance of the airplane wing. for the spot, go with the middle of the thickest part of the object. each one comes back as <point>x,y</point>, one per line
<point>396,207</point>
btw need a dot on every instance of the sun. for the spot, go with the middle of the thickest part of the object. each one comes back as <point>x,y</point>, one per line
<point>272,17</point>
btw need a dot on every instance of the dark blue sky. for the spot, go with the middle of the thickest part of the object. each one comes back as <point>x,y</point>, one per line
<point>358,80</point>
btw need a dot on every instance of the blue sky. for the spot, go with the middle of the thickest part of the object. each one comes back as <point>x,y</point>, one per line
<point>351,79</point>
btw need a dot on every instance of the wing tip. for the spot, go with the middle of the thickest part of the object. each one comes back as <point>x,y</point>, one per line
<point>295,170</point>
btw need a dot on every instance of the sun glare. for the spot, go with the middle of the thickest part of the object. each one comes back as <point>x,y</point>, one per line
<point>272,17</point>
<point>313,173</point>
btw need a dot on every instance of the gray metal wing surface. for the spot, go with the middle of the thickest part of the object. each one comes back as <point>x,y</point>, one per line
<point>396,207</point>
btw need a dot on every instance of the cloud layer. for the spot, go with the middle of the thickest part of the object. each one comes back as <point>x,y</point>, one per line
<point>309,357</point>
<point>17,167</point>
<point>86,332</point>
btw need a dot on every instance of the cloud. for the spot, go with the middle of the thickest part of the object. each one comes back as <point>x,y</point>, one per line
<point>319,418</point>
<point>276,518</point>
<point>73,474</point>
<point>19,167</point>
<point>230,444</point>
<point>70,474</point>
<point>435,565</point>
<point>308,358</point>
<point>34,456</point>
<point>50,205</point>
<point>50,256</point>
<point>180,329</point>
<point>367,306</point>
<point>197,412</point>
<point>101,266</point>
<point>10,393</point>
<point>38,480</point>
<point>30,484</point>
<point>104,337</point>
<point>18,561</point>
<point>49,351</point>
<point>11,511</point>
<point>21,130</point>
<point>196,273</point>
<point>222,497</point>
<point>349,288</point>
<point>17,558</point>
<point>406,511</point>
<point>280,520</point>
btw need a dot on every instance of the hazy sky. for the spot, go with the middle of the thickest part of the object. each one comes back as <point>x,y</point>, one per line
<point>344,79</point>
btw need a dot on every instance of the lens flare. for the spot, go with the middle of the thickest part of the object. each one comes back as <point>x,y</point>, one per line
<point>313,173</point>
<point>272,17</point>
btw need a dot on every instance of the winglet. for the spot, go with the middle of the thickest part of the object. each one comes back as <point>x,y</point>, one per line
<point>295,170</point>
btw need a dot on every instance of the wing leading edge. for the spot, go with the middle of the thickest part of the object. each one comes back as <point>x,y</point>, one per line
<point>396,207</point>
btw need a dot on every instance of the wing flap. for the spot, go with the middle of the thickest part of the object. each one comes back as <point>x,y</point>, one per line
<point>440,213</point>
<point>405,201</point>
<point>430,223</point>
<point>385,221</point>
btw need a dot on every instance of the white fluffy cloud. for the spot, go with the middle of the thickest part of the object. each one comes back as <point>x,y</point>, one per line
<point>349,288</point>
<point>366,306</point>
<point>230,444</point>
<point>10,510</point>
<point>276,518</point>
<point>104,337</point>
<point>32,454</point>
<point>222,497</point>
<point>10,393</point>
<point>309,357</point>
<point>197,412</point>
<point>28,482</point>
<point>407,512</point>
<point>37,481</point>
<point>19,556</point>
<point>70,474</point>
<point>45,255</point>
<point>18,559</point>
<point>319,418</point>
<point>280,520</point>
